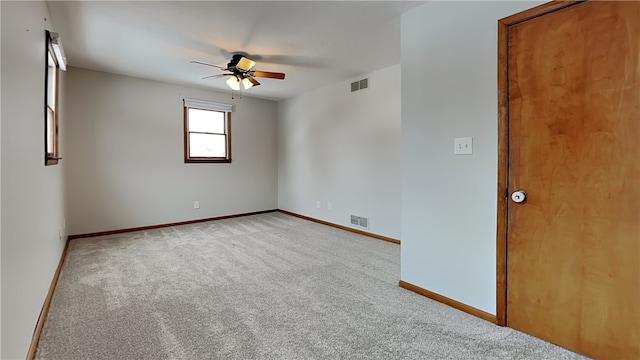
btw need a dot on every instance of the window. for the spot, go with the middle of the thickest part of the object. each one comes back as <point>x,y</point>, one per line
<point>207,132</point>
<point>54,62</point>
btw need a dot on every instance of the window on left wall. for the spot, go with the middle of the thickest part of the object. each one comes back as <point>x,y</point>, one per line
<point>55,62</point>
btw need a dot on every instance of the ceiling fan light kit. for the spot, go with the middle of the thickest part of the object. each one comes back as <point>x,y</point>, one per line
<point>239,71</point>
<point>233,83</point>
<point>245,64</point>
<point>247,84</point>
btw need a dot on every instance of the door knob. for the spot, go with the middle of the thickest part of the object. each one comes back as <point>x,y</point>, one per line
<point>518,196</point>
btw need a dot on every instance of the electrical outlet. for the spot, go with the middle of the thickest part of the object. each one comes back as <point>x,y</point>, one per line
<point>318,206</point>
<point>196,204</point>
<point>463,146</point>
<point>329,206</point>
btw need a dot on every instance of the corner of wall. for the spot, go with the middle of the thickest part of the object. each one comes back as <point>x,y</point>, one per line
<point>339,153</point>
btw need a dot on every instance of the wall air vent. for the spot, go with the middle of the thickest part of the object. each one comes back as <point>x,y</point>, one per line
<point>360,85</point>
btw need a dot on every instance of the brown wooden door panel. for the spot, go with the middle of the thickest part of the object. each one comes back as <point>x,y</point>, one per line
<point>573,247</point>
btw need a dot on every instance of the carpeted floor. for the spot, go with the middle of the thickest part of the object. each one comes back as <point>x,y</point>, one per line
<point>268,286</point>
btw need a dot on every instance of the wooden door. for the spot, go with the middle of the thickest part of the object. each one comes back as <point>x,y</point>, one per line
<point>573,135</point>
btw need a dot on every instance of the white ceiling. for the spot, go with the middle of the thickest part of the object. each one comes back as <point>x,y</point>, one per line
<point>314,42</point>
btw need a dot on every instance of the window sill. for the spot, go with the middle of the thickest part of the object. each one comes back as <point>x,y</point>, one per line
<point>50,161</point>
<point>205,161</point>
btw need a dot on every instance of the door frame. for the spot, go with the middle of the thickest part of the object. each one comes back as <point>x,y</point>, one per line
<point>503,143</point>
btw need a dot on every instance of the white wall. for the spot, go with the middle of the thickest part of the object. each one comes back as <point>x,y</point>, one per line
<point>124,152</point>
<point>449,62</point>
<point>32,194</point>
<point>343,148</point>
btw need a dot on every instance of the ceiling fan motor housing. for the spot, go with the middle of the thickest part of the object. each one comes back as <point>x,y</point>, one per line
<point>234,60</point>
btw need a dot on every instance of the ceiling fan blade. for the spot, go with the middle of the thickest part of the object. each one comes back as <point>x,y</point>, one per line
<point>204,63</point>
<point>253,81</point>
<point>245,64</point>
<point>268,74</point>
<point>215,76</point>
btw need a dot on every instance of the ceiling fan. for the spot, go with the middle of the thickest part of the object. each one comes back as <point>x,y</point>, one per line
<point>239,70</point>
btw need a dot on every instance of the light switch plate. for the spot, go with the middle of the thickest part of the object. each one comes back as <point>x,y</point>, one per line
<point>463,146</point>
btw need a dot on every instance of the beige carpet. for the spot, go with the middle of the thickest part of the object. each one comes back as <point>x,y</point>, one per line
<point>268,286</point>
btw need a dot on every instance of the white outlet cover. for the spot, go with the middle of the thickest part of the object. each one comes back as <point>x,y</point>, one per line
<point>463,146</point>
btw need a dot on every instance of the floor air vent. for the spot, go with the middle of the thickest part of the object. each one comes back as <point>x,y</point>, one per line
<point>360,221</point>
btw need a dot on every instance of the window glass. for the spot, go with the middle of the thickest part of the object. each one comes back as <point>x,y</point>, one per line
<point>50,134</point>
<point>51,81</point>
<point>207,145</point>
<point>206,121</point>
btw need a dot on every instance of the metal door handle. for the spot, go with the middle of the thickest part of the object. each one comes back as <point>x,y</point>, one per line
<point>518,196</point>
